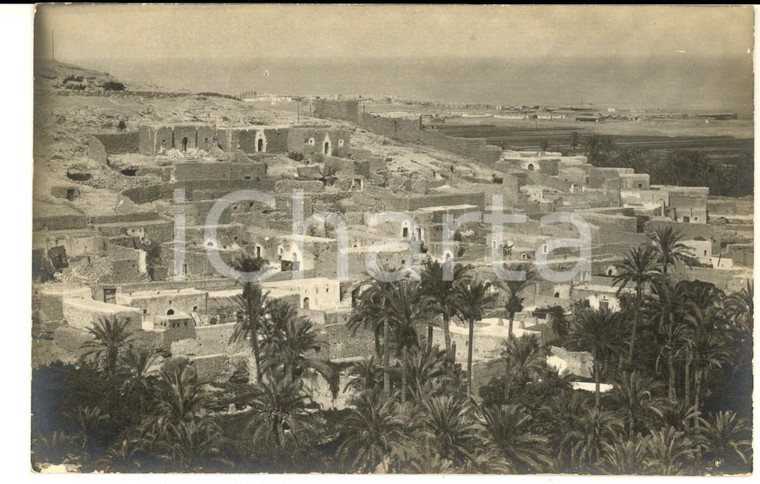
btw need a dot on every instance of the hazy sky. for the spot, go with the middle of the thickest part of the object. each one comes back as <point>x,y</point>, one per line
<point>202,31</point>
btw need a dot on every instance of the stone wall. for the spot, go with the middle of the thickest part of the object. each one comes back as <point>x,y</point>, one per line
<point>99,146</point>
<point>83,314</point>
<point>218,171</point>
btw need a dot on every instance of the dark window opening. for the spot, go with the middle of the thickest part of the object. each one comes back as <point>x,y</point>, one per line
<point>184,144</point>
<point>170,312</point>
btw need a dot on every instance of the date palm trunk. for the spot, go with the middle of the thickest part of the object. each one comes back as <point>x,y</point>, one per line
<point>447,332</point>
<point>671,377</point>
<point>635,323</point>
<point>697,389</point>
<point>469,358</point>
<point>254,322</point>
<point>404,375</point>
<point>597,381</point>
<point>386,358</point>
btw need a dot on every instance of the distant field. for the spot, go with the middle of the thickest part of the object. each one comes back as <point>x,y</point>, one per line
<point>531,137</point>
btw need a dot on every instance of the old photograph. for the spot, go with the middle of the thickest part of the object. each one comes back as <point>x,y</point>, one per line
<point>392,239</point>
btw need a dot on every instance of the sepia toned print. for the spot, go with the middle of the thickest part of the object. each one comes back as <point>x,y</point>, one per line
<point>393,239</point>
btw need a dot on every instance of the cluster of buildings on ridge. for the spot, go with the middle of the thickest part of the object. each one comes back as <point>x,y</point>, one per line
<point>124,264</point>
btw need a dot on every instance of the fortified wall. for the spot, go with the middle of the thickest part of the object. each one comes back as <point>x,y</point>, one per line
<point>407,130</point>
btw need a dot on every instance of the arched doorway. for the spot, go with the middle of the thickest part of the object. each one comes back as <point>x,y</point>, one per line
<point>260,145</point>
<point>306,303</point>
<point>327,148</point>
<point>184,144</point>
<point>531,167</point>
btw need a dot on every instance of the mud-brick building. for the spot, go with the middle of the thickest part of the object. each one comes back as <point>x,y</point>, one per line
<point>313,140</point>
<point>161,137</point>
<point>254,139</point>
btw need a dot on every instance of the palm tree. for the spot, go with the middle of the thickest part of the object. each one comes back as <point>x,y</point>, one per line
<point>288,342</point>
<point>639,267</point>
<point>280,417</point>
<point>190,445</point>
<point>451,429</point>
<point>667,243</point>
<point>739,311</point>
<point>740,306</point>
<point>727,441</point>
<point>667,309</point>
<point>110,336</point>
<point>441,293</point>
<point>510,438</point>
<point>706,350</point>
<point>669,452</point>
<point>430,373</point>
<point>470,298</point>
<point>255,302</point>
<point>405,307</point>
<point>674,413</point>
<point>135,371</point>
<point>364,376</point>
<point>373,430</point>
<point>369,313</point>
<point>87,420</point>
<point>58,448</point>
<point>596,427</point>
<point>120,457</point>
<point>562,419</point>
<point>624,455</point>
<point>514,301</point>
<point>525,356</point>
<point>635,396</point>
<point>594,330</point>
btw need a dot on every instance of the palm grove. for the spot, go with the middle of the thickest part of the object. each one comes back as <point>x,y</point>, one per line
<point>678,354</point>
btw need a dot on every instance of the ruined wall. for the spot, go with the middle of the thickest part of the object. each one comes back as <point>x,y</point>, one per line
<point>475,148</point>
<point>218,171</point>
<point>165,191</point>
<point>102,145</point>
<point>209,340</point>
<point>407,204</point>
<point>62,222</point>
<point>341,343</point>
<point>76,243</point>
